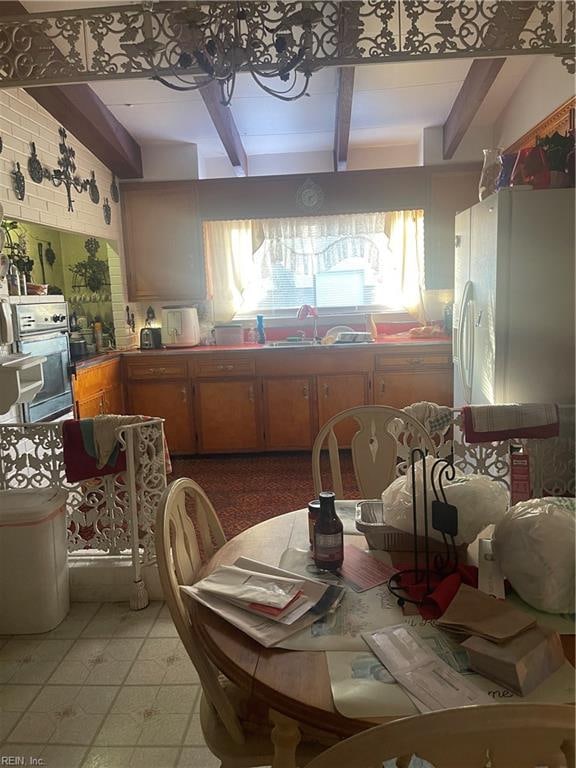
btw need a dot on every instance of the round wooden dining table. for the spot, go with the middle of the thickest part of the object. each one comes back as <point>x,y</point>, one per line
<point>294,683</point>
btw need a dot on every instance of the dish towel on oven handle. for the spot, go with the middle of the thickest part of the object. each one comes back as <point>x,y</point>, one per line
<point>491,423</point>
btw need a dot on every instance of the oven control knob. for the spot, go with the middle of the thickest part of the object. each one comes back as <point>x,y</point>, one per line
<point>58,318</point>
<point>62,318</point>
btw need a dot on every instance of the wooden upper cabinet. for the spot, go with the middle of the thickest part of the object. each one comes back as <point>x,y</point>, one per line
<point>288,412</point>
<point>163,241</point>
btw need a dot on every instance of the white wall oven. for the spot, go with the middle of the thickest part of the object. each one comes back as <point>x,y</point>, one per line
<point>41,328</point>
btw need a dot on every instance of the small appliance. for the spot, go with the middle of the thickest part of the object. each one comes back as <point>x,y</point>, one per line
<point>180,327</point>
<point>151,338</point>
<point>229,334</point>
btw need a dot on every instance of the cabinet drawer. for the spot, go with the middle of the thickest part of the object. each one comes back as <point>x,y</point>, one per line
<point>157,369</point>
<point>415,361</point>
<point>217,367</point>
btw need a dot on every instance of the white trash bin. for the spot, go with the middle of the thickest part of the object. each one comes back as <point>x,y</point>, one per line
<point>34,587</point>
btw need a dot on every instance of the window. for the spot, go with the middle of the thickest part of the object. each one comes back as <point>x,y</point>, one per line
<point>336,263</point>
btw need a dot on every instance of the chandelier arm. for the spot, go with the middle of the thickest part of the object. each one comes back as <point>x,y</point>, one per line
<point>182,88</point>
<point>280,94</point>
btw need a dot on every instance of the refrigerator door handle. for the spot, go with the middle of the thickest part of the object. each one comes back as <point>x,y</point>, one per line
<point>466,341</point>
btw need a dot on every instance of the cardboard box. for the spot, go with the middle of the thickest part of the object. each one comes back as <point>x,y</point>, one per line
<point>522,663</point>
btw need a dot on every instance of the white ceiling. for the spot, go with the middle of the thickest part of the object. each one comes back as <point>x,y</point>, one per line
<point>392,104</point>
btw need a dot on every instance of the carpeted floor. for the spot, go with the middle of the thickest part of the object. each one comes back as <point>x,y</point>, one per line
<point>247,489</point>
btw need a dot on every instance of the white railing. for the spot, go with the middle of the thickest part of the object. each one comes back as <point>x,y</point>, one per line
<point>113,514</point>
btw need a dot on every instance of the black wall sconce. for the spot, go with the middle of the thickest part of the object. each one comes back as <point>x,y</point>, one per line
<point>65,174</point>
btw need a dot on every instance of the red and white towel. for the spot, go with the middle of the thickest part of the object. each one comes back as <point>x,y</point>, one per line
<point>490,423</point>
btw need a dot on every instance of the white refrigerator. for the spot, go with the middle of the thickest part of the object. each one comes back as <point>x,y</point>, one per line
<point>513,318</point>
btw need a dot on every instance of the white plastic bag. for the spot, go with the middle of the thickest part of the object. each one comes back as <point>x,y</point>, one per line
<point>534,544</point>
<point>479,499</point>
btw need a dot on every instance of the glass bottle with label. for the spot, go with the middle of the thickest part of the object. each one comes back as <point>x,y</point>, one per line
<point>328,547</point>
<point>313,514</point>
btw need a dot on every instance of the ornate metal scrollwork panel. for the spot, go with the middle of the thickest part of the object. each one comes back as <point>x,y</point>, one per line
<point>119,42</point>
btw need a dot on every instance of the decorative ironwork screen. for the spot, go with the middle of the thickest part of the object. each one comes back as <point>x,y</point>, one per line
<point>119,42</point>
<point>31,456</point>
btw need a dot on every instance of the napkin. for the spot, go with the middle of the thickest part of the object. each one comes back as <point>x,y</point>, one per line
<point>472,612</point>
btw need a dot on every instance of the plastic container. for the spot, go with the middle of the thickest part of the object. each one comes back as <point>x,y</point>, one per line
<point>370,520</point>
<point>34,587</point>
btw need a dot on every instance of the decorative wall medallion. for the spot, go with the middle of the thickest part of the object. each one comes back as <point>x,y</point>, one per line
<point>35,169</point>
<point>93,190</point>
<point>310,196</point>
<point>49,255</point>
<point>107,211</point>
<point>19,182</point>
<point>114,191</point>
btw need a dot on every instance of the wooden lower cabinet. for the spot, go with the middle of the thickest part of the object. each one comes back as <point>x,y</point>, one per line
<point>399,389</point>
<point>228,416</point>
<point>336,393</point>
<point>288,412</point>
<point>98,390</point>
<point>169,400</point>
<point>91,406</point>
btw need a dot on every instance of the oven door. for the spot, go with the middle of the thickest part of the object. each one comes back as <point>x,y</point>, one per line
<point>55,398</point>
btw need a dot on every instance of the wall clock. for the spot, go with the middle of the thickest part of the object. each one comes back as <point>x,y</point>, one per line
<point>310,196</point>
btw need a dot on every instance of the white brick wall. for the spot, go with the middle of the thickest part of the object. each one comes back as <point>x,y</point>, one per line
<point>22,120</point>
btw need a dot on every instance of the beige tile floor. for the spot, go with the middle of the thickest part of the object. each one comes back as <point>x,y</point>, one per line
<point>108,688</point>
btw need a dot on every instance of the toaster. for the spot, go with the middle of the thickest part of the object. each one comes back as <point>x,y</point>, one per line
<point>151,338</point>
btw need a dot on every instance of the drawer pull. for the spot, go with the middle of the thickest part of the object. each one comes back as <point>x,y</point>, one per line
<point>251,393</point>
<point>416,361</point>
<point>382,387</point>
<point>222,367</point>
<point>157,370</point>
<point>326,390</point>
<point>305,392</point>
<point>184,394</point>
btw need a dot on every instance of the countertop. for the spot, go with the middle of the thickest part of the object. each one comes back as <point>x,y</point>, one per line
<point>384,341</point>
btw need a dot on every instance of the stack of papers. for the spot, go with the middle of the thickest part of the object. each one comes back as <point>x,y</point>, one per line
<point>472,612</point>
<point>430,682</point>
<point>265,602</point>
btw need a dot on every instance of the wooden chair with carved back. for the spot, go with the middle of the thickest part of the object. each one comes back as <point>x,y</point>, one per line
<point>374,447</point>
<point>236,727</point>
<point>493,736</point>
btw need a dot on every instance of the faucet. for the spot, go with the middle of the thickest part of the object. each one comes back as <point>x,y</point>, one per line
<point>308,311</point>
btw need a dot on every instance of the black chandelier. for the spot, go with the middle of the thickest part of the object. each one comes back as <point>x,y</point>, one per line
<point>228,38</point>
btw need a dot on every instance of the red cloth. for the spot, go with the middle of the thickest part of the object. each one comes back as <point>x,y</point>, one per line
<point>444,589</point>
<point>78,464</point>
<point>473,436</point>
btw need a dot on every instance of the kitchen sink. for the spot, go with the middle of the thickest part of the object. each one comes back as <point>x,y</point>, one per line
<point>303,343</point>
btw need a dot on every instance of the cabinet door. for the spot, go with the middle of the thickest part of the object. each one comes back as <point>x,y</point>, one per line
<point>399,389</point>
<point>113,400</point>
<point>170,401</point>
<point>91,406</point>
<point>288,413</point>
<point>163,241</point>
<point>228,416</point>
<point>337,393</point>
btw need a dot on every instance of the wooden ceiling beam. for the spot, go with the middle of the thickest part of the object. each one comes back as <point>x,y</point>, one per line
<point>508,22</point>
<point>474,89</point>
<point>223,121</point>
<point>84,114</point>
<point>343,117</point>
